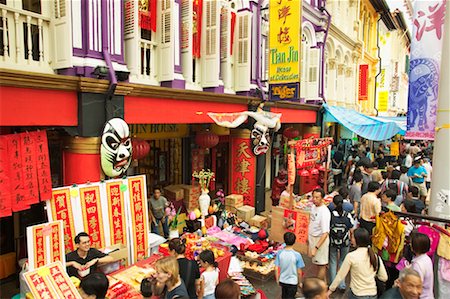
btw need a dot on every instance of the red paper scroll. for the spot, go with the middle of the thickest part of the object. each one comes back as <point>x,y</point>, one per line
<point>363,81</point>
<point>138,217</point>
<point>116,213</point>
<point>16,183</point>
<point>233,27</point>
<point>197,23</point>
<point>5,187</point>
<point>40,286</point>
<point>60,280</point>
<point>28,156</point>
<point>56,251</point>
<point>243,169</point>
<point>92,215</point>
<point>61,208</point>
<point>291,169</point>
<point>43,165</point>
<point>40,258</point>
<point>302,227</point>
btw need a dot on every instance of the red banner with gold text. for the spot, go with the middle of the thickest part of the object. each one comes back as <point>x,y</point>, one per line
<point>43,165</point>
<point>139,217</point>
<point>243,169</point>
<point>92,215</point>
<point>116,213</point>
<point>61,209</point>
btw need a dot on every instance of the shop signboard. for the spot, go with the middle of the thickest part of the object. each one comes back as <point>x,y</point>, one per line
<point>243,169</point>
<point>158,131</point>
<point>383,99</point>
<point>284,49</point>
<point>426,52</point>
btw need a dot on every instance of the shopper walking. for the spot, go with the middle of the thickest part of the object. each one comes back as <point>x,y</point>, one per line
<point>370,207</point>
<point>420,244</point>
<point>418,174</point>
<point>210,277</point>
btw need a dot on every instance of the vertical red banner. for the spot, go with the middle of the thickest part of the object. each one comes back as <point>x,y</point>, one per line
<point>92,215</point>
<point>61,208</point>
<point>138,217</point>
<point>55,250</point>
<point>16,176</point>
<point>39,286</point>
<point>39,250</point>
<point>197,24</point>
<point>61,282</point>
<point>243,169</point>
<point>302,227</point>
<point>363,81</point>
<point>116,215</point>
<point>30,181</point>
<point>43,165</point>
<point>5,186</point>
<point>198,159</point>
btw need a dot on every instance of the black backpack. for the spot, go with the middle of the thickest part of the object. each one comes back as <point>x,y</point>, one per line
<point>339,230</point>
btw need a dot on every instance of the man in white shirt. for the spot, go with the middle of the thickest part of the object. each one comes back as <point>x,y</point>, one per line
<point>408,159</point>
<point>427,165</point>
<point>318,233</point>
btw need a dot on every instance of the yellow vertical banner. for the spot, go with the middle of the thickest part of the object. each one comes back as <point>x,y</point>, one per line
<point>284,49</point>
<point>395,149</point>
<point>383,100</point>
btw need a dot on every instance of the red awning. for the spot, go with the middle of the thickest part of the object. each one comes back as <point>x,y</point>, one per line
<point>38,107</point>
<point>295,115</point>
<point>143,110</point>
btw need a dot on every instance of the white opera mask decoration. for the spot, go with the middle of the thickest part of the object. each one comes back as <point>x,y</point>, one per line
<point>260,134</point>
<point>116,149</point>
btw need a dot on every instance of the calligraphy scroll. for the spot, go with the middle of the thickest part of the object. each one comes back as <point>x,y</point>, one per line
<point>51,281</point>
<point>243,169</point>
<point>45,244</point>
<point>302,227</point>
<point>116,213</point>
<point>92,215</point>
<point>291,169</point>
<point>28,155</point>
<point>16,175</point>
<point>60,208</point>
<point>197,28</point>
<point>138,218</point>
<point>5,187</point>
<point>43,165</point>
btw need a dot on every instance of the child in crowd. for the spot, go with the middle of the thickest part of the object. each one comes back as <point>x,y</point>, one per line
<point>422,263</point>
<point>288,268</point>
<point>388,199</point>
<point>210,278</point>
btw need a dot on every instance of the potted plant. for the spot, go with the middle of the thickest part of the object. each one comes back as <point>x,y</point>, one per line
<point>173,221</point>
<point>204,178</point>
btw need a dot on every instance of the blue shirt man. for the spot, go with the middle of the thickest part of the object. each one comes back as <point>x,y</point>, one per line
<point>417,173</point>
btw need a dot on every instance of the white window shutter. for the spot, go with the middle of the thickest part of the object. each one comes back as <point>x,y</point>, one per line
<point>225,45</point>
<point>210,54</point>
<point>187,7</point>
<point>166,49</point>
<point>242,70</point>
<point>313,73</point>
<point>131,37</point>
<point>62,34</point>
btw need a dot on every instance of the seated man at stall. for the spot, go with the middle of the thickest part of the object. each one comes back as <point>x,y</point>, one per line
<point>84,259</point>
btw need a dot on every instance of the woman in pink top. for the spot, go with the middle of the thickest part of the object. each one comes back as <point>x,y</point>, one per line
<point>422,263</point>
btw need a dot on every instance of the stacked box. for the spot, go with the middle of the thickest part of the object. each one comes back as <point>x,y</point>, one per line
<point>174,192</point>
<point>258,221</point>
<point>246,213</point>
<point>191,195</point>
<point>235,200</point>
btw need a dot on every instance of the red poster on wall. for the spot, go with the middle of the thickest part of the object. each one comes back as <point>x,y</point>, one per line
<point>243,169</point>
<point>30,181</point>
<point>363,81</point>
<point>43,165</point>
<point>197,25</point>
<point>5,191</point>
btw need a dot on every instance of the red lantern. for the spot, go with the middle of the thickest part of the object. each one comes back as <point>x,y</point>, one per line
<point>141,148</point>
<point>304,173</point>
<point>206,139</point>
<point>290,133</point>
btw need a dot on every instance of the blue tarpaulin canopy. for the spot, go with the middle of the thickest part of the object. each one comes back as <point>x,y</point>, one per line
<point>372,128</point>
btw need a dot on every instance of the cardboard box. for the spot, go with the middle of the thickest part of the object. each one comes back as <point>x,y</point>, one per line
<point>245,213</point>
<point>119,253</point>
<point>174,192</point>
<point>258,221</point>
<point>231,209</point>
<point>191,204</point>
<point>235,200</point>
<point>191,195</point>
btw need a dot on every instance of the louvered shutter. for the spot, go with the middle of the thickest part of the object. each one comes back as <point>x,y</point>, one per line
<point>166,52</point>
<point>187,7</point>
<point>242,70</point>
<point>210,58</point>
<point>62,34</point>
<point>225,45</point>
<point>131,37</point>
<point>313,73</point>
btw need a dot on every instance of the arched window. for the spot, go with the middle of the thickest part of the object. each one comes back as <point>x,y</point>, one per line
<point>306,45</point>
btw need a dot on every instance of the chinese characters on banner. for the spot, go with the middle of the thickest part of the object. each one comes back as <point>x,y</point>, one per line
<point>310,151</point>
<point>284,49</point>
<point>61,209</point>
<point>291,169</point>
<point>116,216</point>
<point>426,51</point>
<point>139,218</point>
<point>302,227</point>
<point>45,244</point>
<point>363,88</point>
<point>92,215</point>
<point>197,28</point>
<point>24,171</point>
<point>51,281</point>
<point>243,169</point>
<point>147,14</point>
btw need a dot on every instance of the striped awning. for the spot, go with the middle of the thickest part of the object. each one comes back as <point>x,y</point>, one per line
<point>365,126</point>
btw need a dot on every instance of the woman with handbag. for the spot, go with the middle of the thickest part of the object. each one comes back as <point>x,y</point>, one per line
<point>364,267</point>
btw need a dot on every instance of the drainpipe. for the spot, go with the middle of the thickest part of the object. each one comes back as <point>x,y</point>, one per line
<point>323,9</point>
<point>106,53</point>
<point>379,67</point>
<point>258,51</point>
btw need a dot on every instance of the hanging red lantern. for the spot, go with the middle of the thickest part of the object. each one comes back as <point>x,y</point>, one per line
<point>141,148</point>
<point>206,139</point>
<point>304,173</point>
<point>290,133</point>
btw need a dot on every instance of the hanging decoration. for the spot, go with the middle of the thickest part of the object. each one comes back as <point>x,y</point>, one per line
<point>206,139</point>
<point>291,133</point>
<point>197,28</point>
<point>141,148</point>
<point>147,14</point>
<point>260,134</point>
<point>309,151</point>
<point>116,148</point>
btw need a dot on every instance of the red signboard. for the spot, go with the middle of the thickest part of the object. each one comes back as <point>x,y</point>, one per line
<point>139,220</point>
<point>243,169</point>
<point>61,208</point>
<point>363,81</point>
<point>92,215</point>
<point>116,208</point>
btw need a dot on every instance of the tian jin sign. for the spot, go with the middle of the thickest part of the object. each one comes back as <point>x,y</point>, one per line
<point>284,52</point>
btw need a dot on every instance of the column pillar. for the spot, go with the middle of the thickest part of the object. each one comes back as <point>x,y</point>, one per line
<point>81,160</point>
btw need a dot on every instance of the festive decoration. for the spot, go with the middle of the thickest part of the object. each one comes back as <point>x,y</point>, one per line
<point>291,133</point>
<point>243,168</point>
<point>278,186</point>
<point>116,148</point>
<point>206,139</point>
<point>310,151</point>
<point>204,178</point>
<point>141,148</point>
<point>314,171</point>
<point>304,173</point>
<point>260,133</point>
